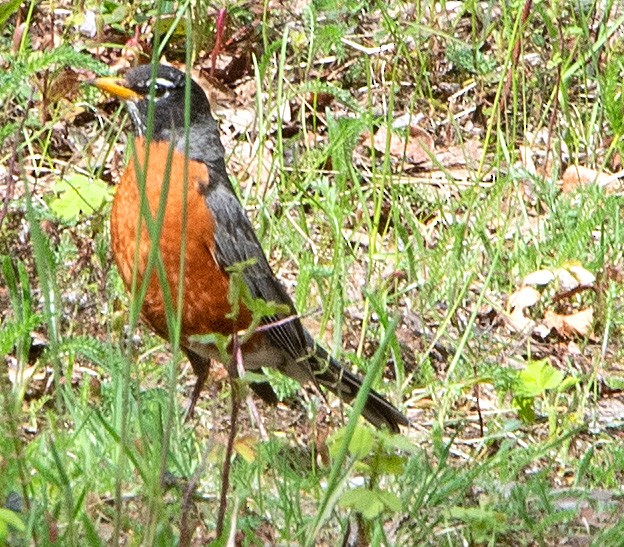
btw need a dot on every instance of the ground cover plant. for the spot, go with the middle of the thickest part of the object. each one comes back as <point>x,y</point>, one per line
<point>437,184</point>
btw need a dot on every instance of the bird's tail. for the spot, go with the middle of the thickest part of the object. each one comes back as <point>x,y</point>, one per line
<point>330,374</point>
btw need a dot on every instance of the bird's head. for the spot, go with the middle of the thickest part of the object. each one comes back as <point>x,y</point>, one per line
<point>166,85</point>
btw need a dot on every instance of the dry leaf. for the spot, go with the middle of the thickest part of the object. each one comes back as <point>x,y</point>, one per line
<point>245,446</point>
<point>466,154</point>
<point>577,175</point>
<point>567,281</point>
<point>88,27</point>
<point>417,148</point>
<point>574,349</point>
<point>585,277</point>
<point>241,119</point>
<point>554,321</point>
<point>611,412</point>
<point>581,321</point>
<point>615,273</point>
<point>320,101</point>
<point>246,164</point>
<point>542,331</point>
<point>519,322</point>
<point>526,157</point>
<point>27,374</point>
<point>524,297</point>
<point>574,324</point>
<point>539,278</point>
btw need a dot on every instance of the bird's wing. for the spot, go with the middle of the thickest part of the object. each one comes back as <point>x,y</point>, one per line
<point>235,243</point>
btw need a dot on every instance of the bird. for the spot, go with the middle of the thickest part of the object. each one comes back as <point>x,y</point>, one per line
<point>182,163</point>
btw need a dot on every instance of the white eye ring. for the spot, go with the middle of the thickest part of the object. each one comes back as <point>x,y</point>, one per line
<point>163,82</point>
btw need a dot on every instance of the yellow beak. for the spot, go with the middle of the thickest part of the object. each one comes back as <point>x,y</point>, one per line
<point>115,87</point>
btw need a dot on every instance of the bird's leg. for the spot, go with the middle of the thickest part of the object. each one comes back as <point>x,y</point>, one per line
<point>237,356</point>
<point>202,374</point>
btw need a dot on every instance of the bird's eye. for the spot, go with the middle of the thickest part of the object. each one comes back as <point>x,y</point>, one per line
<point>160,92</point>
<point>157,92</point>
<point>162,87</point>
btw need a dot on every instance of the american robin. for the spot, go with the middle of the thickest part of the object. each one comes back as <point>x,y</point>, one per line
<point>217,234</point>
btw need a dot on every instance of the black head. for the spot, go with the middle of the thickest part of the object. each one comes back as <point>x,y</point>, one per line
<point>168,94</point>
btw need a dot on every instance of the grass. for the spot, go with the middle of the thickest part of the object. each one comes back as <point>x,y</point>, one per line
<point>396,270</point>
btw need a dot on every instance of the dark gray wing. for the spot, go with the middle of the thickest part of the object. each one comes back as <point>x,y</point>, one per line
<point>236,242</point>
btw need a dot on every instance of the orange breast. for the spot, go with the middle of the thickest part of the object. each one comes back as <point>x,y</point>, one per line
<point>205,284</point>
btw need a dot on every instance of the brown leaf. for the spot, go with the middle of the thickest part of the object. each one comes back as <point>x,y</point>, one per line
<point>320,100</point>
<point>574,324</point>
<point>417,147</point>
<point>519,322</point>
<point>581,321</point>
<point>539,278</point>
<point>585,277</point>
<point>17,36</point>
<point>615,273</point>
<point>524,297</point>
<point>577,175</point>
<point>526,157</point>
<point>64,85</point>
<point>466,154</point>
<point>553,321</point>
<point>245,446</point>
<point>567,281</point>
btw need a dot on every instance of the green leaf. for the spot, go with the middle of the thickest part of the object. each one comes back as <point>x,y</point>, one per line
<point>239,292</point>
<point>116,16</point>
<point>7,9</point>
<point>370,503</point>
<point>364,501</point>
<point>362,442</point>
<point>335,441</point>
<point>362,467</point>
<point>390,464</point>
<point>390,500</point>
<point>253,378</point>
<point>567,383</point>
<point>374,508</point>
<point>263,308</point>
<point>353,498</point>
<point>614,382</point>
<point>537,378</point>
<point>401,442</point>
<point>12,519</point>
<point>526,411</point>
<point>220,341</point>
<point>91,533</point>
<point>79,194</point>
<point>483,522</point>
